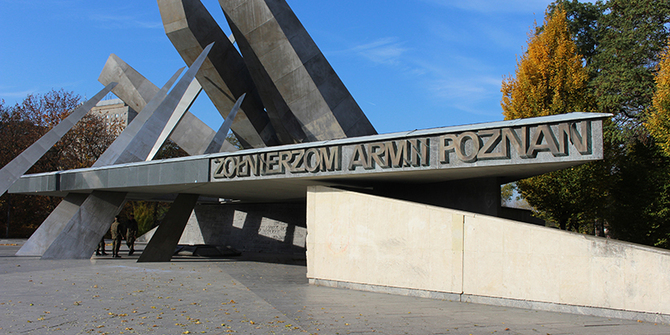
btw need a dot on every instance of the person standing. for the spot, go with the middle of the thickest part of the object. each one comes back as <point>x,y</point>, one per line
<point>101,246</point>
<point>131,234</point>
<point>117,235</point>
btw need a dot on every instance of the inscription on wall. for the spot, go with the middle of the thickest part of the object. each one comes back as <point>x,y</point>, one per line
<point>546,142</point>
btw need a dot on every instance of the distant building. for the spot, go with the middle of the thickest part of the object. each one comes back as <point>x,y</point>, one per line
<point>114,111</point>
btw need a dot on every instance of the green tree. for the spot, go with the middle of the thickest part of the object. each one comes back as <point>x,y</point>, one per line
<point>631,37</point>
<point>639,209</point>
<point>147,213</point>
<point>234,141</point>
<point>583,22</point>
<point>621,43</point>
<point>550,79</point>
<point>169,149</point>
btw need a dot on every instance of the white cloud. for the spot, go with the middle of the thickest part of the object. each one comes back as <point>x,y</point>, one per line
<point>468,94</point>
<point>125,21</point>
<point>16,94</point>
<point>382,51</point>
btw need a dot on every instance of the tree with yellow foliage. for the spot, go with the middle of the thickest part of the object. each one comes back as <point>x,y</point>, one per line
<point>658,123</point>
<point>549,78</point>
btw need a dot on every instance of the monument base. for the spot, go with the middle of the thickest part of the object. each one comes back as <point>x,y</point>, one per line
<point>374,243</point>
<point>272,228</point>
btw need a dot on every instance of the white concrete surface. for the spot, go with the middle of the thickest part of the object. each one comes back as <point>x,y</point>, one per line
<point>358,240</point>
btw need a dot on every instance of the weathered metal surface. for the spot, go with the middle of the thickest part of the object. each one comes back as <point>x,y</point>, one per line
<point>224,76</point>
<point>290,70</point>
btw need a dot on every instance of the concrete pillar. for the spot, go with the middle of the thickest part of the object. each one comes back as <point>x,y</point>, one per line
<point>78,238</point>
<point>52,226</point>
<point>162,245</point>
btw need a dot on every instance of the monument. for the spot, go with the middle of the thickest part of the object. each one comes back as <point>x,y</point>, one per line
<point>414,212</point>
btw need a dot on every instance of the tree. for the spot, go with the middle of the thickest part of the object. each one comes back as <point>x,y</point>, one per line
<point>631,38</point>
<point>621,43</point>
<point>22,125</point>
<point>583,24</point>
<point>639,209</point>
<point>632,35</point>
<point>169,149</point>
<point>147,213</point>
<point>234,141</point>
<point>658,122</point>
<point>550,79</point>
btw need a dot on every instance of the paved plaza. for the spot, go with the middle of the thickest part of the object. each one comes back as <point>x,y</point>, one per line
<point>251,294</point>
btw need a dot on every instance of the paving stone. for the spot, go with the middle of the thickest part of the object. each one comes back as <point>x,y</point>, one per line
<point>251,294</point>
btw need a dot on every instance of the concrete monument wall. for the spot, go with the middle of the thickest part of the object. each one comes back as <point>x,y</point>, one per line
<point>257,228</point>
<point>380,244</point>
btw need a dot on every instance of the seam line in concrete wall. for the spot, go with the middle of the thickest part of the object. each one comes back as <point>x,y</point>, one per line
<point>462,224</point>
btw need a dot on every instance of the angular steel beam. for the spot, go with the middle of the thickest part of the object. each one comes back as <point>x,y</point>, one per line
<point>11,172</point>
<point>190,134</point>
<point>78,239</point>
<point>272,40</point>
<point>140,146</point>
<point>96,213</point>
<point>76,228</point>
<point>122,143</point>
<point>53,225</point>
<point>219,139</point>
<point>164,241</point>
<point>162,245</point>
<point>224,76</point>
<point>182,107</point>
<point>133,88</point>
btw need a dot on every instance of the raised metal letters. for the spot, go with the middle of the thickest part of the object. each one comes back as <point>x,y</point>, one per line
<point>470,147</point>
<point>467,147</point>
<point>290,161</point>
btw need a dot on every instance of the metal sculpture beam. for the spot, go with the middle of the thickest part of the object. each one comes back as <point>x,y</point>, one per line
<point>142,137</point>
<point>190,134</point>
<point>224,76</point>
<point>82,233</point>
<point>182,107</point>
<point>140,146</point>
<point>11,172</point>
<point>53,225</point>
<point>218,140</point>
<point>275,45</point>
<point>164,241</point>
<point>162,245</point>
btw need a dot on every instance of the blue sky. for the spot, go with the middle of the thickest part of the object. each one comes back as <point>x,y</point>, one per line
<point>410,64</point>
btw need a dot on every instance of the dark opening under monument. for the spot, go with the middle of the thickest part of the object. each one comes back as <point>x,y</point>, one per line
<point>415,212</point>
